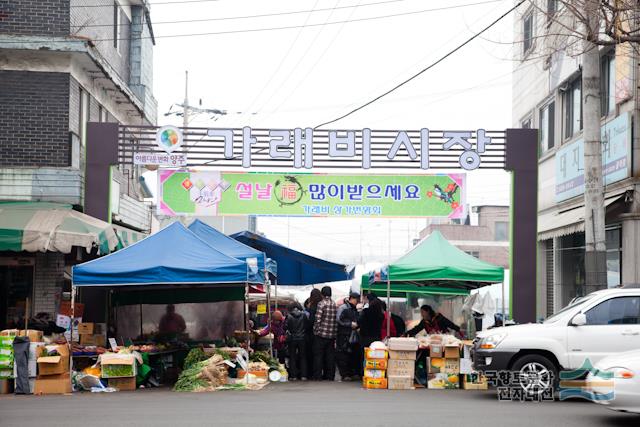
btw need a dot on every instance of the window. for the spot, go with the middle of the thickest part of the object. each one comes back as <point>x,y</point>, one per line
<point>84,115</point>
<point>527,32</point>
<point>614,256</point>
<point>573,108</point>
<point>547,125</point>
<point>615,311</point>
<point>526,123</point>
<point>552,8</point>
<point>608,84</point>
<point>501,231</point>
<point>102,114</point>
<point>117,26</point>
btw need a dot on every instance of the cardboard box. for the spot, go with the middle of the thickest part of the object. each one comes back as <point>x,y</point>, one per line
<point>53,384</point>
<point>451,366</point>
<point>402,355</point>
<point>474,381</point>
<point>436,350</point>
<point>374,382</point>
<point>374,373</point>
<point>53,365</point>
<point>443,381</point>
<point>97,340</point>
<point>375,364</point>
<point>403,344</point>
<point>110,360</point>
<point>375,354</point>
<point>123,384</point>
<point>400,382</point>
<point>85,328</point>
<point>6,386</point>
<point>436,365</point>
<point>401,368</point>
<point>452,352</point>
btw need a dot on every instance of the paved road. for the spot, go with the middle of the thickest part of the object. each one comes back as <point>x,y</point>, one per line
<point>296,404</point>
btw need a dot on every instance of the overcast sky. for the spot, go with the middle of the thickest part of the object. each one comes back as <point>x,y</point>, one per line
<point>304,76</point>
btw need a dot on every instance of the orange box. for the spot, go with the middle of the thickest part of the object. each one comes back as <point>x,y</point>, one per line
<point>370,353</point>
<point>374,382</point>
<point>375,364</point>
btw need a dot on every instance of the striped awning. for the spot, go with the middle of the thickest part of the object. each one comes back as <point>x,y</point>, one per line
<point>126,236</point>
<point>56,227</point>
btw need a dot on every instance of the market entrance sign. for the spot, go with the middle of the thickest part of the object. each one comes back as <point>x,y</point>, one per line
<point>296,194</point>
<point>401,152</point>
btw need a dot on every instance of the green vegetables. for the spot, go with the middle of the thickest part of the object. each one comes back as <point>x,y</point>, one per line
<point>195,355</point>
<point>115,371</point>
<point>263,356</point>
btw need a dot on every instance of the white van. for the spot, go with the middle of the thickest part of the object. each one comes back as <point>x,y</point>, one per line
<point>592,327</point>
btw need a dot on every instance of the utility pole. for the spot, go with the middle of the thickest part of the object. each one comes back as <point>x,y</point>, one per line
<point>594,219</point>
<point>185,104</point>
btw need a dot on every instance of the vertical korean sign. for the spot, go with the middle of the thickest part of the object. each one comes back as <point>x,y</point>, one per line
<point>188,192</point>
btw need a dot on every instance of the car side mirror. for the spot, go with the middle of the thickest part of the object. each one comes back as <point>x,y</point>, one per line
<point>579,319</point>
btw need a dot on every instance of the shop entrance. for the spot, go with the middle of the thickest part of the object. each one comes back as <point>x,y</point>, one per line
<point>16,286</point>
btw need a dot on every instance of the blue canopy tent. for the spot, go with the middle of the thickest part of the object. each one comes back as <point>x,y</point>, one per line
<point>296,268</point>
<point>257,262</point>
<point>174,263</point>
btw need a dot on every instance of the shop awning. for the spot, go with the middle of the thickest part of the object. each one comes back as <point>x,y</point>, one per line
<point>556,224</point>
<point>126,236</point>
<point>56,227</point>
<point>296,268</point>
<point>172,256</point>
<point>255,259</point>
<point>401,290</point>
<point>435,262</point>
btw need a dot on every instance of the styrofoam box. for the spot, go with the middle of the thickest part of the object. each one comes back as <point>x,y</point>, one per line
<point>403,344</point>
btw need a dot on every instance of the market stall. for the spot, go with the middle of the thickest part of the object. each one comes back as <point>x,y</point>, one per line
<point>434,269</point>
<point>170,267</point>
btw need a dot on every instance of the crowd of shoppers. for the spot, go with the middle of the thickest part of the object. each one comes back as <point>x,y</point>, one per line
<point>322,334</point>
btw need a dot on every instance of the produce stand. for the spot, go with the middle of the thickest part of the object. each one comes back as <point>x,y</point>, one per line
<point>433,267</point>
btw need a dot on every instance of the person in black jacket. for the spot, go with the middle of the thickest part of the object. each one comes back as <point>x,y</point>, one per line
<point>347,352</point>
<point>433,323</point>
<point>370,321</point>
<point>295,327</point>
<point>310,308</point>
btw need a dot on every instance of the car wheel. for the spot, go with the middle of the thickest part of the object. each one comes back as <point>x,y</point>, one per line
<point>536,374</point>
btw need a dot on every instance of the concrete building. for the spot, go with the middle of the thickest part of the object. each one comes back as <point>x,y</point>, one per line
<point>64,63</point>
<point>488,241</point>
<point>547,96</point>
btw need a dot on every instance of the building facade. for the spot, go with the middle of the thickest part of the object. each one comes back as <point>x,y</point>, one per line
<point>63,64</point>
<point>547,96</point>
<point>487,241</point>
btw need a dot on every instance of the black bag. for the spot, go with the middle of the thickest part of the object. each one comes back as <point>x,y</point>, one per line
<point>354,338</point>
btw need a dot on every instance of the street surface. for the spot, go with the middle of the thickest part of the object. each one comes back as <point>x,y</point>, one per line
<point>301,404</point>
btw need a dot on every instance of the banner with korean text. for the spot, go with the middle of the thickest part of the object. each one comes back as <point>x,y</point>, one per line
<point>189,192</point>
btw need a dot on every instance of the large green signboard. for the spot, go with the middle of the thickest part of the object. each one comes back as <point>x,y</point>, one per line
<point>298,194</point>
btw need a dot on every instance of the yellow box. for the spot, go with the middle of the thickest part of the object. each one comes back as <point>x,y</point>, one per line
<point>374,373</point>
<point>374,382</point>
<point>474,382</point>
<point>375,364</point>
<point>370,353</point>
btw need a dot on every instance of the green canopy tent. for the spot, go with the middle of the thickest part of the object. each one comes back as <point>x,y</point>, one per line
<point>433,267</point>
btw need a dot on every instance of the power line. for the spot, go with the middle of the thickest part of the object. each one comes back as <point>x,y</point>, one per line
<point>160,3</point>
<point>419,73</point>
<point>262,15</point>
<point>253,30</point>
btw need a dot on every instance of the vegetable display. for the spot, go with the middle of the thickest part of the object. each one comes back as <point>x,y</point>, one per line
<point>116,371</point>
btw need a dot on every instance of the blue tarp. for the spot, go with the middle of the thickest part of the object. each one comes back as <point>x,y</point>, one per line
<point>172,256</point>
<point>254,258</point>
<point>296,268</point>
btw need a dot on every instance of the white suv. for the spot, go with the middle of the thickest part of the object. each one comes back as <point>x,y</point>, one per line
<point>592,327</point>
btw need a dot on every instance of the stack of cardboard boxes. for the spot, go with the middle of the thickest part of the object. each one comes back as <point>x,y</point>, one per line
<point>92,334</point>
<point>8,368</point>
<point>53,370</point>
<point>375,368</point>
<point>444,366</point>
<point>471,380</point>
<point>402,363</point>
<point>119,370</point>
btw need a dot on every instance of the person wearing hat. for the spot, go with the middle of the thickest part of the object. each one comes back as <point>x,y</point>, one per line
<point>347,340</point>
<point>276,327</point>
